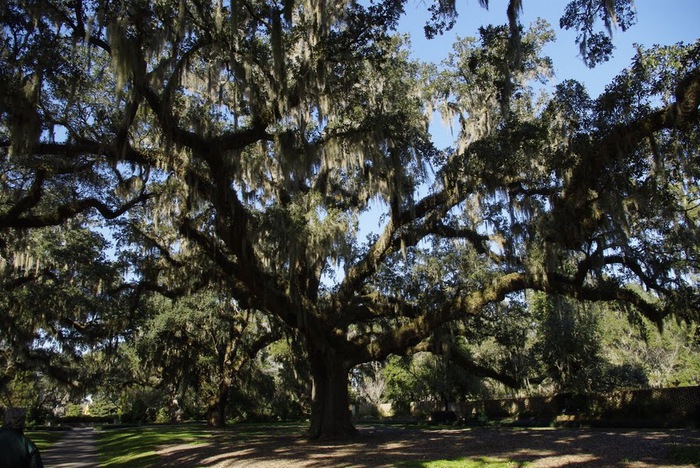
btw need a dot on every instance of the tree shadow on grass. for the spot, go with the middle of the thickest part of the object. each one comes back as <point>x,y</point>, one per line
<point>135,449</point>
<point>386,447</point>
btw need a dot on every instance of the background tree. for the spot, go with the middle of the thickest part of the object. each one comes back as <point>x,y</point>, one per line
<point>253,135</point>
<point>368,385</point>
<point>570,345</point>
<point>202,341</point>
<point>576,351</point>
<point>36,392</point>
<point>275,385</point>
<point>666,356</point>
<point>61,298</point>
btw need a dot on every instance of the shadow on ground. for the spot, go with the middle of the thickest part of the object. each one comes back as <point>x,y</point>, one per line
<point>385,447</point>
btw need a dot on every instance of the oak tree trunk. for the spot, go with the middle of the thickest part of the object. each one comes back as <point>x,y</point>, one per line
<point>330,400</point>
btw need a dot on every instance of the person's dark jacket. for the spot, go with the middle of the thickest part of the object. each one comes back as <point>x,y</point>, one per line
<point>17,451</point>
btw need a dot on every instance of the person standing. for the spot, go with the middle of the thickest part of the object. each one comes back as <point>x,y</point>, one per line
<point>17,450</point>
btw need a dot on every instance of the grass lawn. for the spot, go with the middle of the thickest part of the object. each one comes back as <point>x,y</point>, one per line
<point>135,447</point>
<point>462,463</point>
<point>44,439</point>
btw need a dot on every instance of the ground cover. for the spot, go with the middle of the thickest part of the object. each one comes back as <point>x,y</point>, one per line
<point>462,463</point>
<point>387,446</point>
<point>136,447</point>
<point>44,439</point>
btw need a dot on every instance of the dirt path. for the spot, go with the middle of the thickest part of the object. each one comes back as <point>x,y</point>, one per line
<point>385,447</point>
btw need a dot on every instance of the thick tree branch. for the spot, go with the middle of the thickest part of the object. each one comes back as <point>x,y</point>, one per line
<point>433,316</point>
<point>251,288</point>
<point>429,207</point>
<point>479,370</point>
<point>408,335</point>
<point>29,201</point>
<point>616,144</point>
<point>62,213</point>
<point>84,147</point>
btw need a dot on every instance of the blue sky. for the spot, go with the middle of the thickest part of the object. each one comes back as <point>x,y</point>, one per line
<point>658,22</point>
<point>661,22</point>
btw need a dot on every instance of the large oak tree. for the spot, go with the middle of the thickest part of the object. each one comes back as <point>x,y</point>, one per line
<point>240,142</point>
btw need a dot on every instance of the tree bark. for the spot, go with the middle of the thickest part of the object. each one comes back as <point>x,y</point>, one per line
<point>216,409</point>
<point>330,398</point>
<point>177,396</point>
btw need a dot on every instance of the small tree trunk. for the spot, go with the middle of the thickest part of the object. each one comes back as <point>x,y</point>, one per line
<point>330,399</point>
<point>175,410</point>
<point>216,409</point>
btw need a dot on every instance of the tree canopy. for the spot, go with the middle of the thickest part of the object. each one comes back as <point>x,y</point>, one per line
<point>236,145</point>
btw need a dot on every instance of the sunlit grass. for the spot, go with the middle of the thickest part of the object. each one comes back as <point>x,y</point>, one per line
<point>478,462</point>
<point>44,439</point>
<point>136,447</point>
